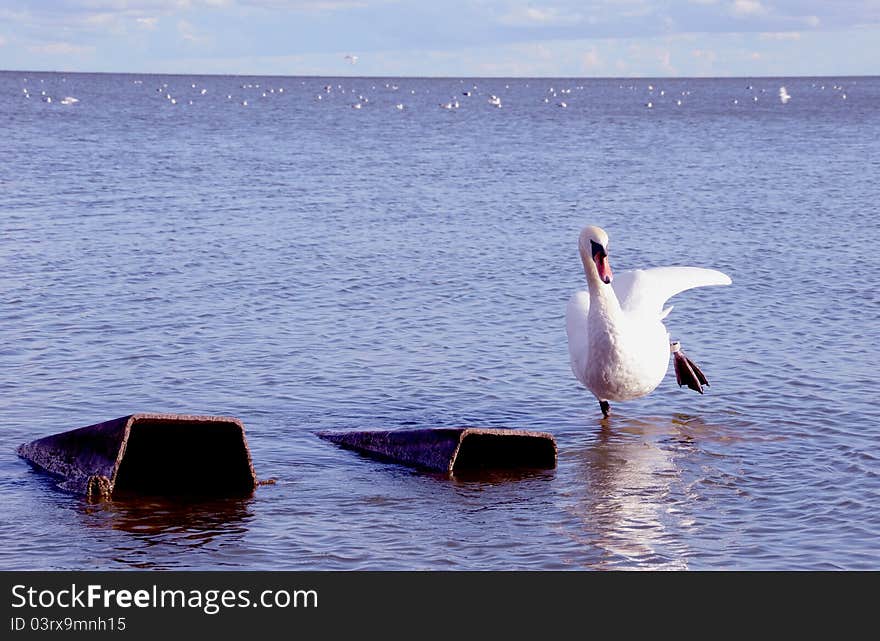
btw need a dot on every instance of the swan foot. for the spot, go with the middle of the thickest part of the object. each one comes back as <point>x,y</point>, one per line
<point>687,372</point>
<point>606,408</point>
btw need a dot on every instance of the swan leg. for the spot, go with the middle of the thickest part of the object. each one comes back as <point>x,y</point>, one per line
<point>606,408</point>
<point>687,372</point>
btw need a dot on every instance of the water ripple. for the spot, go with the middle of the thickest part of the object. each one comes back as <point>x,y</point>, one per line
<point>306,266</point>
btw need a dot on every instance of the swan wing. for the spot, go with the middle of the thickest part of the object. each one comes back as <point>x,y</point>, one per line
<point>576,327</point>
<point>645,291</point>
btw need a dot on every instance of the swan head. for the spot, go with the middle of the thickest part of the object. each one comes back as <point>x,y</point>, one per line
<point>593,246</point>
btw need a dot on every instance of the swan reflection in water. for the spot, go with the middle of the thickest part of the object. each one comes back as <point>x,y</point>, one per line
<point>636,508</point>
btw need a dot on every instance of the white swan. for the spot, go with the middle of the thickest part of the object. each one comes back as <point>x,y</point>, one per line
<point>617,342</point>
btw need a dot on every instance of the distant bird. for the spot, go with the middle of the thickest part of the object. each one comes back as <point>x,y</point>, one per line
<point>783,95</point>
<point>352,59</point>
<point>618,346</point>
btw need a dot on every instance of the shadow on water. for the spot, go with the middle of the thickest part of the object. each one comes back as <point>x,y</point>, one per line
<point>130,531</point>
<point>464,478</point>
<point>633,503</point>
<point>177,526</point>
<point>200,520</point>
<point>500,476</point>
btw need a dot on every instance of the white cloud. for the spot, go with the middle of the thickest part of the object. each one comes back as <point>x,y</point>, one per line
<point>99,19</point>
<point>812,21</point>
<point>141,6</point>
<point>61,49</point>
<point>147,23</point>
<point>188,32</point>
<point>665,58</point>
<point>707,55</point>
<point>305,5</point>
<point>2,41</point>
<point>781,35</point>
<point>748,8</point>
<point>542,52</point>
<point>543,17</point>
<point>591,60</point>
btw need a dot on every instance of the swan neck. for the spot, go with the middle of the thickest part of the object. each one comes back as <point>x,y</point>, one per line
<point>603,298</point>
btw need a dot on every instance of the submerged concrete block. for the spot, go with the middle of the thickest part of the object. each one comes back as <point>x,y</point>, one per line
<point>155,454</point>
<point>453,449</point>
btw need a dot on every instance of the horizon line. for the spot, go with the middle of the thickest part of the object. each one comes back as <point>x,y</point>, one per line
<point>439,77</point>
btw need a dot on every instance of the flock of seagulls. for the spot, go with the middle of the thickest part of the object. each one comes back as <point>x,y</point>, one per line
<point>45,97</point>
<point>195,91</point>
<point>557,96</point>
<point>453,102</point>
<point>358,99</point>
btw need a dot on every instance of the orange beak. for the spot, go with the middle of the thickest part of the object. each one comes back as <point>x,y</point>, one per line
<point>600,257</point>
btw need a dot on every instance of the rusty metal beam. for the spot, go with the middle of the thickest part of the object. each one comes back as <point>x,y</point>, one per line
<point>453,449</point>
<point>159,454</point>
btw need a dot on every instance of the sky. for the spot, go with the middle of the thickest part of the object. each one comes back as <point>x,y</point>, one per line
<point>562,38</point>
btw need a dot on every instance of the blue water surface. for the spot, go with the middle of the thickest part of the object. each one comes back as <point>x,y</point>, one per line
<point>305,265</point>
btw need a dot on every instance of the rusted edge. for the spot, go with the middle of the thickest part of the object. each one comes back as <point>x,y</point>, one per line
<point>429,449</point>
